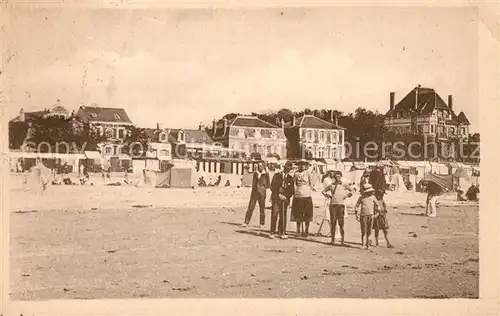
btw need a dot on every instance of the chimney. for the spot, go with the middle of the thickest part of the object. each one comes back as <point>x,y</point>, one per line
<point>331,116</point>
<point>21,115</point>
<point>416,96</point>
<point>282,123</point>
<point>294,121</point>
<point>157,126</point>
<point>225,126</point>
<point>450,102</point>
<point>391,97</point>
<point>214,127</point>
<point>201,126</point>
<point>337,121</point>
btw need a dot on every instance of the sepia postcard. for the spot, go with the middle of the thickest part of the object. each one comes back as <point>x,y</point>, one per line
<point>240,153</point>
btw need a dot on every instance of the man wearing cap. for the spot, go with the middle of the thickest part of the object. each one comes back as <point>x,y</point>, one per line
<point>338,192</point>
<point>258,195</point>
<point>282,190</point>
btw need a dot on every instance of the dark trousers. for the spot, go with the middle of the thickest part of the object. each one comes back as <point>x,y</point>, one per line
<point>337,213</point>
<point>254,199</point>
<point>278,213</point>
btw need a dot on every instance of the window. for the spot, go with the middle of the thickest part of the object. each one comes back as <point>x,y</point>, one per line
<point>257,133</point>
<point>420,129</point>
<point>432,128</point>
<point>398,115</point>
<point>254,147</point>
<point>109,133</point>
<point>274,134</point>
<point>116,116</point>
<point>269,150</point>
<point>163,137</point>
<point>322,136</point>
<point>452,130</point>
<point>121,133</point>
<point>108,150</point>
<point>334,137</point>
<point>309,135</point>
<point>241,133</point>
<point>181,136</point>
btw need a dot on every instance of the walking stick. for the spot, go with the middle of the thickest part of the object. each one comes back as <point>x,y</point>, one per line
<point>283,231</point>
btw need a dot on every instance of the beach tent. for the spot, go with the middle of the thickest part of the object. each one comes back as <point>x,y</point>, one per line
<point>182,175</point>
<point>397,183</point>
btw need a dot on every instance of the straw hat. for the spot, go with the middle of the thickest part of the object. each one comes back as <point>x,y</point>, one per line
<point>367,188</point>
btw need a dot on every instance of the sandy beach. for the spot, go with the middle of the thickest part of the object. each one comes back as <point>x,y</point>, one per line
<point>96,242</point>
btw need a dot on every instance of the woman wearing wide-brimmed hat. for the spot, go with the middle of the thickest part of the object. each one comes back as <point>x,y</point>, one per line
<point>302,205</point>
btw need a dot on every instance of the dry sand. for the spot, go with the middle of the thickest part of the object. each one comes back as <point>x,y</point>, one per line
<point>123,242</point>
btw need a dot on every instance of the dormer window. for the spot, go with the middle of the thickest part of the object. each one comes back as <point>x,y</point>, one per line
<point>116,116</point>
<point>163,137</point>
<point>93,115</point>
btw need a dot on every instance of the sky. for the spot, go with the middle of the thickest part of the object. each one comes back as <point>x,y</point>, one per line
<point>180,67</point>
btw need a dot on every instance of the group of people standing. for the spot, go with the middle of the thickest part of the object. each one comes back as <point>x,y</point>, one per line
<point>297,190</point>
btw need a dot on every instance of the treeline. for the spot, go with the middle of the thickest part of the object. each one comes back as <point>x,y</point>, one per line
<point>365,130</point>
<point>53,134</point>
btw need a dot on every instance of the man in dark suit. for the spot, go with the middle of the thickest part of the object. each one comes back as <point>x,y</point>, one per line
<point>259,186</point>
<point>377,180</point>
<point>282,189</point>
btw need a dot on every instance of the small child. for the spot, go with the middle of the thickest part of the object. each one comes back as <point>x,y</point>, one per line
<point>367,203</point>
<point>380,222</point>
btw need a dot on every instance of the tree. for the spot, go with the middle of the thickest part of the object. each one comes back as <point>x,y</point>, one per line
<point>136,142</point>
<point>285,114</point>
<point>17,134</point>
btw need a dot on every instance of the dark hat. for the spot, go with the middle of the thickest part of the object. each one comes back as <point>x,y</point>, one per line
<point>337,172</point>
<point>288,165</point>
<point>303,162</point>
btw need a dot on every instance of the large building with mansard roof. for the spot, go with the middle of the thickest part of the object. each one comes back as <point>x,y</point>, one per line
<point>423,111</point>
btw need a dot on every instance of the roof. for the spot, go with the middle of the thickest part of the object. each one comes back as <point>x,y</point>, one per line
<point>250,121</point>
<point>31,115</point>
<point>311,121</point>
<point>193,135</point>
<point>462,119</point>
<point>94,114</point>
<point>154,135</point>
<point>241,121</point>
<point>427,99</point>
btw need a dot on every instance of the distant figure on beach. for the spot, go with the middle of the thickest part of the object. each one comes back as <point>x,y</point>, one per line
<point>461,194</point>
<point>472,193</point>
<point>260,184</point>
<point>377,180</point>
<point>302,204</point>
<point>434,192</point>
<point>364,180</point>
